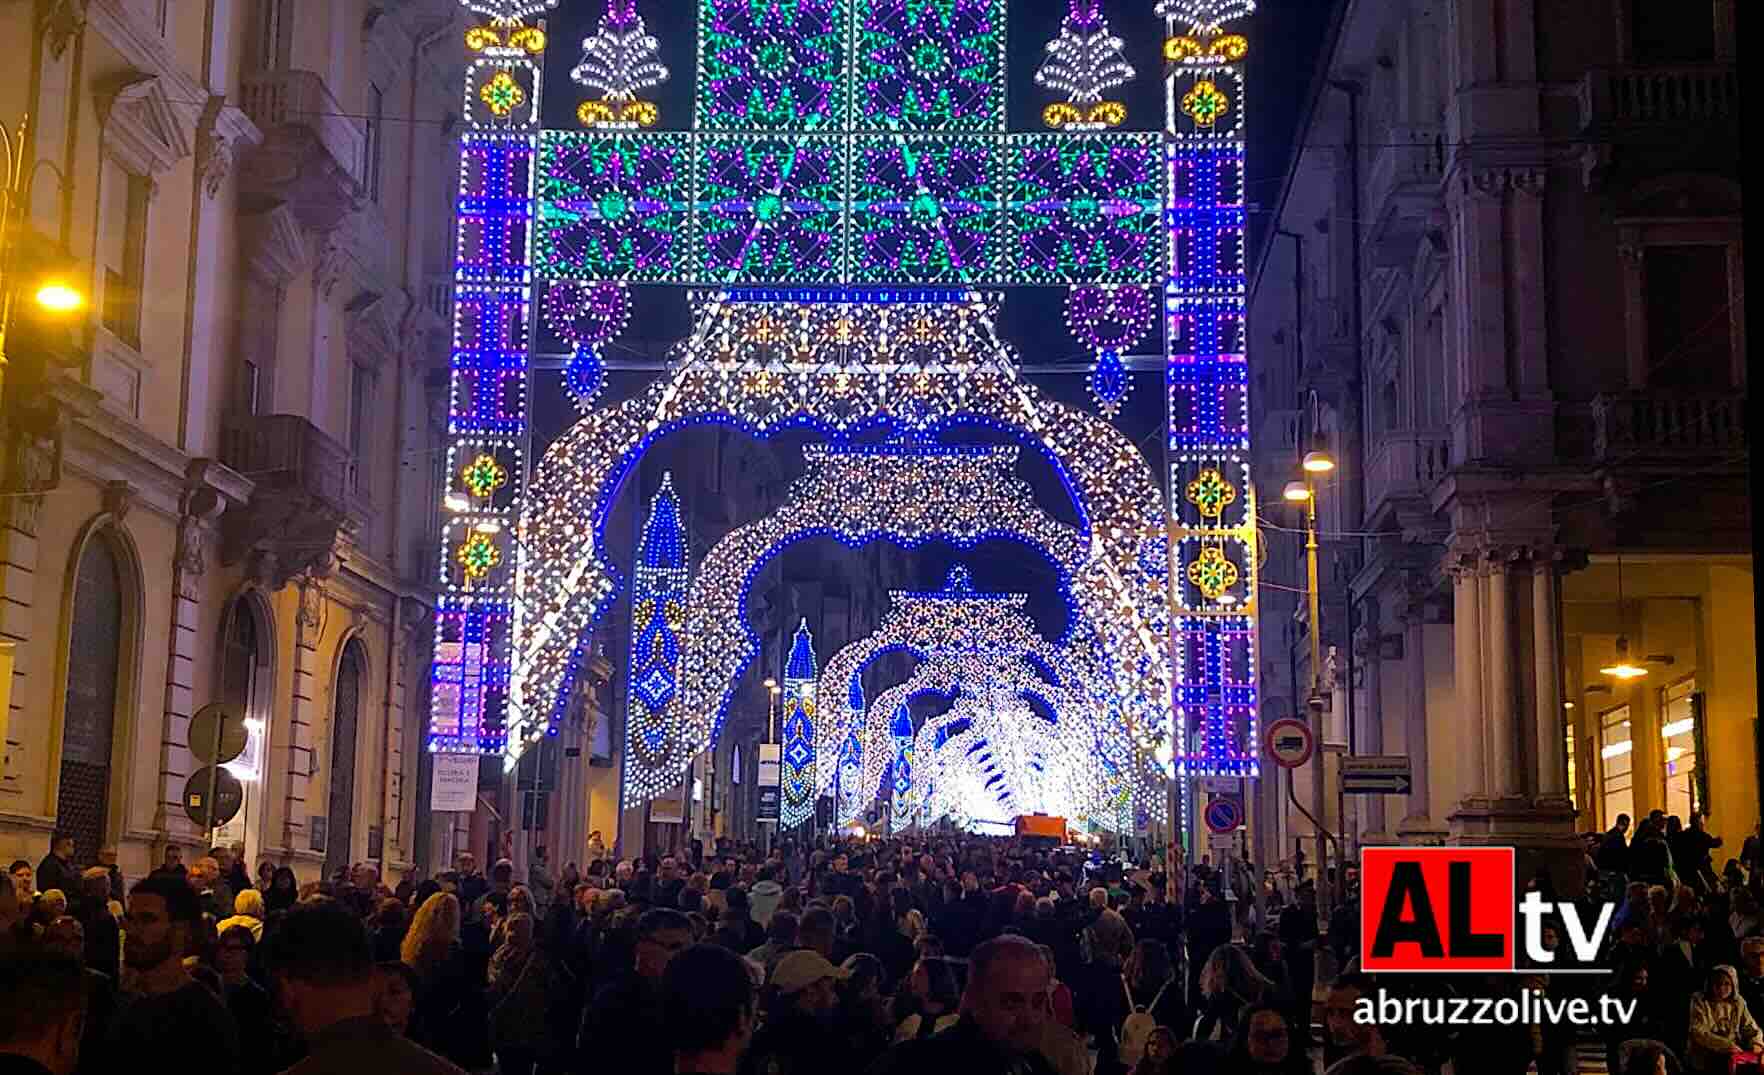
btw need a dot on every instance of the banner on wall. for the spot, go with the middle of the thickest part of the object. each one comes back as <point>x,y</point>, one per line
<point>455,786</point>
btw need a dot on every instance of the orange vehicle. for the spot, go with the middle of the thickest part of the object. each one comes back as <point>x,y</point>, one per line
<point>1051,828</point>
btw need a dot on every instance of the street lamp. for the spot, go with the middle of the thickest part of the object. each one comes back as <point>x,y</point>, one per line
<point>54,293</point>
<point>773,690</point>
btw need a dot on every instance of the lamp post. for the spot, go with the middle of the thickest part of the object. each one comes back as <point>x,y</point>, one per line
<point>1315,464</point>
<point>53,294</point>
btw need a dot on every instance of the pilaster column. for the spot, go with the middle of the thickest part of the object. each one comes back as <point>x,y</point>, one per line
<point>303,713</point>
<point>201,506</point>
<point>1499,667</point>
<point>1415,716</point>
<point>1467,650</point>
<point>1546,627</point>
<point>1368,647</point>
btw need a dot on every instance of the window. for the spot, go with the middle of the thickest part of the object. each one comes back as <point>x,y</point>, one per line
<point>376,119</point>
<point>271,27</point>
<point>124,247</point>
<point>94,655</point>
<point>345,722</point>
<point>1678,744</point>
<point>1617,760</point>
<point>361,389</point>
<point>1690,323</point>
<point>248,387</point>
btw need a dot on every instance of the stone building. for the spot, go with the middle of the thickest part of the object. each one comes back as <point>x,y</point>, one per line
<point>1503,288</point>
<point>225,490</point>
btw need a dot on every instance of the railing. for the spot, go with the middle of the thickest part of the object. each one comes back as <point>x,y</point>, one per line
<point>1637,96</point>
<point>1653,424</point>
<point>1405,465</point>
<point>282,452</point>
<point>301,98</point>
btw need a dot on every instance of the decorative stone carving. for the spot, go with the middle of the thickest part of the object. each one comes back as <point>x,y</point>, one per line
<point>119,497</point>
<point>61,22</point>
<point>276,249</point>
<point>144,128</point>
<point>331,263</point>
<point>312,596</point>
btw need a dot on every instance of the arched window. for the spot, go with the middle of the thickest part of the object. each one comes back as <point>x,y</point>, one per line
<point>94,672</point>
<point>344,723</point>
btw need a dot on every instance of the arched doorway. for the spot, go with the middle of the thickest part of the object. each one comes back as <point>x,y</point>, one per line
<point>245,688</point>
<point>345,721</point>
<point>94,677</point>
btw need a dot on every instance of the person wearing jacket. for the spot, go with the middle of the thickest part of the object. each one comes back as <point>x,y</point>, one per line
<point>1720,1023</point>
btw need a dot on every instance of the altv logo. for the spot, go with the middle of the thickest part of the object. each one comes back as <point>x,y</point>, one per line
<point>1453,909</point>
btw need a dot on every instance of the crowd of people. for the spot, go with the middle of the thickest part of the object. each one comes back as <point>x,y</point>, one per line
<point>896,956</point>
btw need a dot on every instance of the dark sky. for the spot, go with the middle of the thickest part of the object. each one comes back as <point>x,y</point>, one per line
<point>1285,38</point>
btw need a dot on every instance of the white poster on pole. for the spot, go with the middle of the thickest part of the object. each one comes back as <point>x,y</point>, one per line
<point>455,787</point>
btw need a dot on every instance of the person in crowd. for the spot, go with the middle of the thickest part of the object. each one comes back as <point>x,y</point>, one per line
<point>1645,1008</point>
<point>626,1017</point>
<point>395,989</point>
<point>1751,973</point>
<point>1613,853</point>
<point>1346,1035</point>
<point>42,1014</point>
<point>710,1010</point>
<point>800,1035</point>
<point>780,938</point>
<point>66,938</point>
<point>1002,1012</point>
<point>248,912</point>
<point>322,966</point>
<point>56,871</point>
<point>1720,1023</point>
<point>283,892</point>
<point>449,1017</point>
<point>167,1009</point>
<point>928,1002</point>
<point>521,984</point>
<point>387,929</point>
<point>1228,983</point>
<point>205,880</point>
<point>817,932</point>
<point>864,1019</point>
<point>1160,1053</point>
<point>264,1044</point>
<point>1150,989</point>
<point>23,881</point>
<point>1263,1044</point>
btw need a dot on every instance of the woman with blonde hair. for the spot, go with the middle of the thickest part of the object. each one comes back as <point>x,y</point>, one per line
<point>248,911</point>
<point>1229,982</point>
<point>449,1017</point>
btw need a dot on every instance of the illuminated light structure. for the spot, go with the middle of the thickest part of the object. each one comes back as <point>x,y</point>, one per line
<point>850,360</point>
<point>1110,320</point>
<point>658,612</point>
<point>799,787</point>
<point>1084,62</point>
<point>619,60</point>
<point>900,770</point>
<point>851,207</point>
<point>1213,568</point>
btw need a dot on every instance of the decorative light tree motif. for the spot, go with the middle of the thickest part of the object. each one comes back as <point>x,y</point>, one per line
<point>658,611</point>
<point>1084,63</point>
<point>799,787</point>
<point>619,61</point>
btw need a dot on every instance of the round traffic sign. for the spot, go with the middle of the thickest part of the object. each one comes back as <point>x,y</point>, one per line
<point>217,733</point>
<point>229,796</point>
<point>1224,815</point>
<point>1290,742</point>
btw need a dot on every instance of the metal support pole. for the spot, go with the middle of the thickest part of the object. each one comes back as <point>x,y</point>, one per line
<point>1319,795</point>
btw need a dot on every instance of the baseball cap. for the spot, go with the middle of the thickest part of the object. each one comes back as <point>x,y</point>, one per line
<point>800,969</point>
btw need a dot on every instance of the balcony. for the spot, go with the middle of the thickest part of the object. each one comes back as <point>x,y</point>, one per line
<point>312,154</point>
<point>1658,96</point>
<point>1666,426</point>
<point>308,490</point>
<point>1401,471</point>
<point>1403,191</point>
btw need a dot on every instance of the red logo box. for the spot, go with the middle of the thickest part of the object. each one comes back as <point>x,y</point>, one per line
<point>1437,909</point>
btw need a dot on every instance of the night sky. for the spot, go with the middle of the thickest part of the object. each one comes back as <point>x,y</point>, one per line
<point>1285,40</point>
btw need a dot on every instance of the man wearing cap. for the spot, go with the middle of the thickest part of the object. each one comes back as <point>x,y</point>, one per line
<point>801,1033</point>
<point>1000,1029</point>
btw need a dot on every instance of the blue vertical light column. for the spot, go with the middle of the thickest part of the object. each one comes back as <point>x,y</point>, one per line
<point>798,797</point>
<point>658,612</point>
<point>475,610</point>
<point>1213,561</point>
<point>901,774</point>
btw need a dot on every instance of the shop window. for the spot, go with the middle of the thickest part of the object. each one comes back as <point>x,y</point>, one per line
<point>1570,743</point>
<point>1617,762</point>
<point>1678,743</point>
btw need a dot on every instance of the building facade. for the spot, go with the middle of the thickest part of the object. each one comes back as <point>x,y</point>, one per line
<point>1503,288</point>
<point>226,490</point>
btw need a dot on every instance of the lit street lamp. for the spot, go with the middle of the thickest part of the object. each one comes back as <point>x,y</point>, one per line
<point>54,293</point>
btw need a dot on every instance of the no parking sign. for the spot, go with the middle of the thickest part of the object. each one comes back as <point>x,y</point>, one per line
<point>1224,815</point>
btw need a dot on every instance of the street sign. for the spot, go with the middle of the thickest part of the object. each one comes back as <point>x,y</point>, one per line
<point>1220,785</point>
<point>1386,774</point>
<point>217,734</point>
<point>1290,742</point>
<point>770,773</point>
<point>228,796</point>
<point>1224,815</point>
